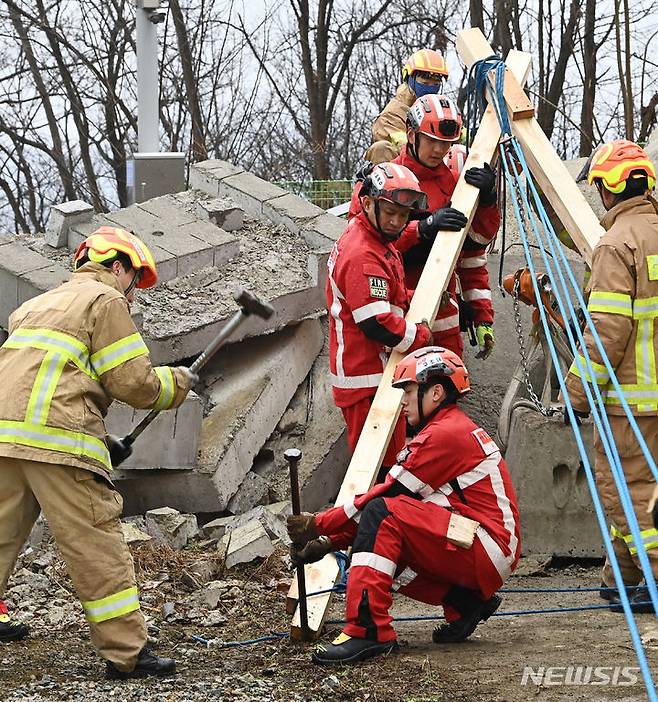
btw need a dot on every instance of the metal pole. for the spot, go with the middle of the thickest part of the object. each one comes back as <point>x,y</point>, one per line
<point>147,83</point>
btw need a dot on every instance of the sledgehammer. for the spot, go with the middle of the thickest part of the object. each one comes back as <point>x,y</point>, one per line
<point>249,304</point>
<point>294,456</point>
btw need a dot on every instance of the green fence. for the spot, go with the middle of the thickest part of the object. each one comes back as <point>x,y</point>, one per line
<point>323,193</point>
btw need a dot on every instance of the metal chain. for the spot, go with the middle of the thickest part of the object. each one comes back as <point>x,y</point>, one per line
<point>546,411</point>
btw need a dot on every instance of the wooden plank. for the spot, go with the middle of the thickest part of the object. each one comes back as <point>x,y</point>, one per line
<point>386,405</point>
<point>546,166</point>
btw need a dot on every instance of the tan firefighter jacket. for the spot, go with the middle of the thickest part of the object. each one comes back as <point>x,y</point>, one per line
<point>391,125</point>
<point>624,306</point>
<point>70,352</point>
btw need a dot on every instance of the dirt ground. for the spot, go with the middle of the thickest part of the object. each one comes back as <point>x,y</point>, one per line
<point>58,663</point>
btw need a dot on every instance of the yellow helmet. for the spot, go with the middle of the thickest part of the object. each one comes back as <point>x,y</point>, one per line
<point>106,242</point>
<point>614,163</point>
<point>425,61</point>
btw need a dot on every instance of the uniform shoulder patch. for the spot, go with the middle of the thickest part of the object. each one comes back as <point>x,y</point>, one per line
<point>652,265</point>
<point>403,455</point>
<point>378,287</point>
<point>487,444</point>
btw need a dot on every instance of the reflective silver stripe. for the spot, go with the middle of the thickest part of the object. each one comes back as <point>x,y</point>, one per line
<point>410,481</point>
<point>45,384</point>
<point>478,238</point>
<point>52,341</point>
<point>505,507</point>
<point>644,308</point>
<point>167,392</point>
<point>397,311</point>
<point>632,394</point>
<point>438,498</point>
<point>408,339</point>
<point>118,353</point>
<point>483,469</point>
<point>501,562</point>
<point>371,310</point>
<point>338,323</point>
<point>374,561</point>
<point>406,577</point>
<point>473,262</point>
<point>349,509</point>
<point>446,323</point>
<point>476,294</point>
<point>648,361</point>
<point>356,382</point>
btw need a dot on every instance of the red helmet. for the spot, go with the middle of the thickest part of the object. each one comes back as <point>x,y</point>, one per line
<point>395,183</point>
<point>431,362</point>
<point>455,159</point>
<point>436,116</point>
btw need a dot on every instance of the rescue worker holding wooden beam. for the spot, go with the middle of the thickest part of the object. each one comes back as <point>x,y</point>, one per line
<point>442,528</point>
<point>623,303</point>
<point>70,352</point>
<point>423,74</point>
<point>367,298</point>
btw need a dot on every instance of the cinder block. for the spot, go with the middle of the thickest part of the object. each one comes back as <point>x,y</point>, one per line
<point>168,209</point>
<point>206,175</point>
<point>36,282</point>
<point>15,260</point>
<point>222,212</point>
<point>292,211</point>
<point>249,192</point>
<point>170,442</point>
<point>168,526</point>
<point>61,218</point>
<point>555,505</point>
<point>225,246</point>
<point>217,527</point>
<point>250,391</point>
<point>325,226</point>
<point>246,543</point>
<point>252,491</point>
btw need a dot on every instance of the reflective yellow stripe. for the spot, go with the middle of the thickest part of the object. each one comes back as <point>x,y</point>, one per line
<point>112,606</point>
<point>600,372</point>
<point>40,436</point>
<point>398,138</point>
<point>645,358</point>
<point>48,376</point>
<point>119,352</point>
<point>649,538</point>
<point>167,388</point>
<point>615,532</point>
<point>610,302</point>
<point>57,342</point>
<point>645,308</point>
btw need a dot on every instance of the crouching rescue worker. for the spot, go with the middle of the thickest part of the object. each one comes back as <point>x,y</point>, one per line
<point>71,351</point>
<point>442,528</point>
<point>367,298</point>
<point>9,630</point>
<point>623,306</point>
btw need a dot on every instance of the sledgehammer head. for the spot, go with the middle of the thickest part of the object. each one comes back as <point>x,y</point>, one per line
<point>250,304</point>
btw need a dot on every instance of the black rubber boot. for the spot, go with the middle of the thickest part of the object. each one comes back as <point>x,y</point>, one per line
<point>473,610</point>
<point>640,602</point>
<point>13,631</point>
<point>147,664</point>
<point>346,649</point>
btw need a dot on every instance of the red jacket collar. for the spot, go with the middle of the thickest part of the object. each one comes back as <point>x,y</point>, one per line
<point>361,220</point>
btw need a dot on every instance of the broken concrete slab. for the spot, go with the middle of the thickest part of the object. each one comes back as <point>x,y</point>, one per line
<point>167,208</point>
<point>250,391</point>
<point>36,282</point>
<point>557,516</point>
<point>280,509</point>
<point>168,526</point>
<point>246,543</point>
<point>273,523</point>
<point>292,211</point>
<point>222,212</point>
<point>61,218</point>
<point>225,246</point>
<point>249,191</point>
<point>171,441</point>
<point>216,528</point>
<point>252,491</point>
<point>133,535</point>
<point>206,175</point>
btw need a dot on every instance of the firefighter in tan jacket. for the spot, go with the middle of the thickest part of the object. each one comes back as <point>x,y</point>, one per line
<point>423,74</point>
<point>624,307</point>
<point>71,351</point>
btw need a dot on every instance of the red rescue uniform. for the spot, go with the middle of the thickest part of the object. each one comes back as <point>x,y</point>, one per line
<point>367,301</point>
<point>439,184</point>
<point>398,529</point>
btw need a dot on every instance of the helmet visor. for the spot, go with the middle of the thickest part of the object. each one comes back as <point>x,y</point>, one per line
<point>406,198</point>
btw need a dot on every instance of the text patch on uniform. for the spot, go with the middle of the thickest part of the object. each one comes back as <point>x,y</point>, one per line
<point>652,265</point>
<point>378,287</point>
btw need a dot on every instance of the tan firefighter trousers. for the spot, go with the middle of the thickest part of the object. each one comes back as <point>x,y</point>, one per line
<point>640,486</point>
<point>83,514</point>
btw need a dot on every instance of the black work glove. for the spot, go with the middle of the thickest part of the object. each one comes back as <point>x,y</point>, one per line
<point>364,171</point>
<point>301,528</point>
<point>119,451</point>
<point>445,219</point>
<point>578,414</point>
<point>484,179</point>
<point>313,551</point>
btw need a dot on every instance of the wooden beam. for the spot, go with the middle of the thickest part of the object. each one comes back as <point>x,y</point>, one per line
<point>386,405</point>
<point>546,166</point>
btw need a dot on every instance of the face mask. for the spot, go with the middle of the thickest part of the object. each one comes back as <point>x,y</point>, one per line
<point>421,89</point>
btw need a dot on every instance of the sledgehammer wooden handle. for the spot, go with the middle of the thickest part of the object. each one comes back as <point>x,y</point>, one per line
<point>249,304</point>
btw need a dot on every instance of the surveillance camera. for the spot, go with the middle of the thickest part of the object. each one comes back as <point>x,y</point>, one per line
<point>157,16</point>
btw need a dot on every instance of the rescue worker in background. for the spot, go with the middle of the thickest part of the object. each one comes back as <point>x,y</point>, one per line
<point>422,74</point>
<point>9,630</point>
<point>434,124</point>
<point>622,303</point>
<point>442,528</point>
<point>367,299</point>
<point>70,352</point>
